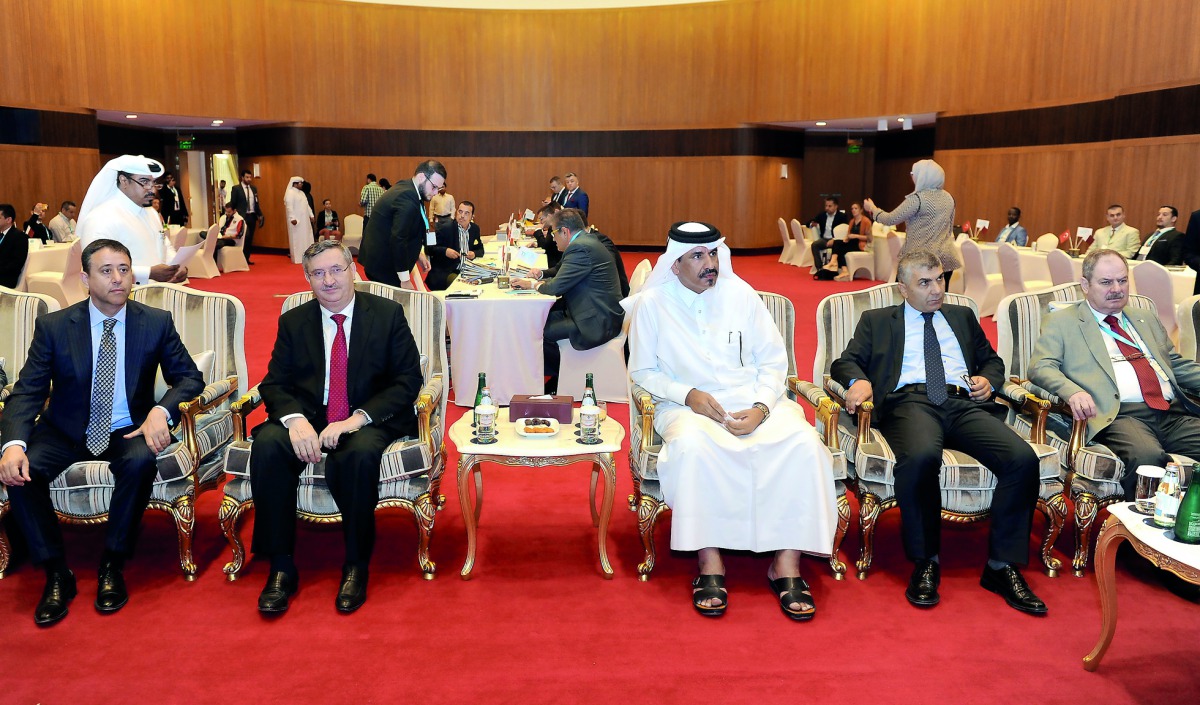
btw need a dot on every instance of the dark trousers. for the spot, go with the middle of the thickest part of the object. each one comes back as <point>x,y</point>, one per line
<point>351,473</point>
<point>559,326</point>
<point>1143,436</point>
<point>917,431</point>
<point>248,241</point>
<point>841,247</point>
<point>50,452</point>
<point>818,245</point>
<point>383,276</point>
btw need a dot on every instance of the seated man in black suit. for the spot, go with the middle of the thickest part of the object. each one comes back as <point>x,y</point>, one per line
<point>456,239</point>
<point>343,377</point>
<point>14,247</point>
<point>936,372</point>
<point>824,223</point>
<point>101,357</point>
<point>587,282</point>
<point>1165,244</point>
<point>545,238</point>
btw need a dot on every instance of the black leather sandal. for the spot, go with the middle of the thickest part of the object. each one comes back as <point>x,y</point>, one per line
<point>710,587</point>
<point>793,590</point>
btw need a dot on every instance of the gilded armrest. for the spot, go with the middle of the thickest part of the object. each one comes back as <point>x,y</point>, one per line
<point>1031,404</point>
<point>429,403</point>
<point>838,393</point>
<point>241,409</point>
<point>1078,426</point>
<point>644,403</point>
<point>827,411</point>
<point>210,397</point>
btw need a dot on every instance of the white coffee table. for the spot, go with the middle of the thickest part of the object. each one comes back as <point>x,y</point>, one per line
<point>511,448</point>
<point>1124,524</point>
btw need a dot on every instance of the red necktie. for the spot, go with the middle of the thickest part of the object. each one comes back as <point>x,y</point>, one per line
<point>1147,378</point>
<point>339,403</point>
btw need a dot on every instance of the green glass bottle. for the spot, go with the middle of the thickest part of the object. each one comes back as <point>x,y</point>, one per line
<point>1187,521</point>
<point>589,388</point>
<point>478,395</point>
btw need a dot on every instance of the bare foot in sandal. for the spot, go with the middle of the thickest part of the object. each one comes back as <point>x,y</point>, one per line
<point>793,593</point>
<point>709,595</point>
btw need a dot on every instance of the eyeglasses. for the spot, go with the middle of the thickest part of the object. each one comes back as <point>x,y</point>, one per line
<point>144,183</point>
<point>319,274</point>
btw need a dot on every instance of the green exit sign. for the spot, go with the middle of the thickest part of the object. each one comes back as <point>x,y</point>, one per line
<point>186,144</point>
<point>854,148</point>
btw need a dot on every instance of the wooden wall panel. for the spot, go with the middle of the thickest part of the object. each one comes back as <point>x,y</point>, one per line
<point>1066,186</point>
<point>324,62</point>
<point>48,175</point>
<point>633,200</point>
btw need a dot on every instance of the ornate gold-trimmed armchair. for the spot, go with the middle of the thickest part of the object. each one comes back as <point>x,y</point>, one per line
<point>644,445</point>
<point>1187,313</point>
<point>966,485</point>
<point>1091,472</point>
<point>210,326</point>
<point>411,469</point>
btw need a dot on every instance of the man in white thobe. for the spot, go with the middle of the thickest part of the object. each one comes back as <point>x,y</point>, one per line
<point>299,219</point>
<point>740,466</point>
<point>117,207</point>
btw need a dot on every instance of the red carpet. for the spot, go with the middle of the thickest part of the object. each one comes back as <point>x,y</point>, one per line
<point>538,624</point>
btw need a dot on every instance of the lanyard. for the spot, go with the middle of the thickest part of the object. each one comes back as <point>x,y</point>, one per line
<point>1107,330</point>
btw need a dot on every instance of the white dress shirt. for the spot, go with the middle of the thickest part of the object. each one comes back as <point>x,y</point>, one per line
<point>1127,382</point>
<point>912,367</point>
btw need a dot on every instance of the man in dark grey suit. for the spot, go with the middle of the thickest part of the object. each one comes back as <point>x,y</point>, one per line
<point>588,284</point>
<point>244,198</point>
<point>101,357</point>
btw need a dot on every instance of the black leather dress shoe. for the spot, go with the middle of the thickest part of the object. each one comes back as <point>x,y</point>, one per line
<point>60,590</point>
<point>353,592</point>
<point>279,589</point>
<point>923,585</point>
<point>1007,582</point>
<point>111,594</point>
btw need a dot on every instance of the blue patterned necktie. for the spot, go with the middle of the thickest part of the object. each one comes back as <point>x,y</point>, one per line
<point>935,374</point>
<point>103,384</point>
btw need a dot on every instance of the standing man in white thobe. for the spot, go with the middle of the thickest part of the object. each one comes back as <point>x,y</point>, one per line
<point>740,466</point>
<point>299,219</point>
<point>117,207</point>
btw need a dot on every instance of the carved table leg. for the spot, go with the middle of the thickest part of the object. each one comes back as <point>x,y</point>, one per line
<point>466,466</point>
<point>592,495</point>
<point>1106,562</point>
<point>478,493</point>
<point>604,464</point>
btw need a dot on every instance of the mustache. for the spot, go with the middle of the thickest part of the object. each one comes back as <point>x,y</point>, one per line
<point>707,272</point>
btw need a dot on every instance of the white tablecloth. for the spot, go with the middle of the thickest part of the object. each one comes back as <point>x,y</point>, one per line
<point>500,334</point>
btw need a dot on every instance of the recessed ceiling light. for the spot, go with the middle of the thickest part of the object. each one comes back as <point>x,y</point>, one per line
<point>218,122</point>
<point>131,116</point>
<point>821,123</point>
<point>899,119</point>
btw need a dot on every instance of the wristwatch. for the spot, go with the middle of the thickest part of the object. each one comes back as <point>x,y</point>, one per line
<point>765,411</point>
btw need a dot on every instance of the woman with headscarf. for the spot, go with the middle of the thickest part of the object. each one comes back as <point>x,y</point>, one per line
<point>299,218</point>
<point>928,214</point>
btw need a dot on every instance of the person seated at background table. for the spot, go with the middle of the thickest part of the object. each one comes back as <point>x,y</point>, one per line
<point>857,239</point>
<point>591,293</point>
<point>328,224</point>
<point>1165,244</point>
<point>14,248</point>
<point>936,372</point>
<point>62,225</point>
<point>34,227</point>
<point>232,227</point>
<point>1116,367</point>
<point>457,240</point>
<point>544,238</point>
<point>618,262</point>
<point>1013,233</point>
<point>342,380</point>
<point>1117,235</point>
<point>86,393</point>
<point>824,223</point>
<point>740,466</point>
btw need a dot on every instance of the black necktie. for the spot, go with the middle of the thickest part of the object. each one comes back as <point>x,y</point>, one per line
<point>935,374</point>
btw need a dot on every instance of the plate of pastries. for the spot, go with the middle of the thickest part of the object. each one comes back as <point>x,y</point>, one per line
<point>537,427</point>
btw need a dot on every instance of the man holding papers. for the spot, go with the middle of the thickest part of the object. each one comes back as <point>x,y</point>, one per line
<point>587,281</point>
<point>116,207</point>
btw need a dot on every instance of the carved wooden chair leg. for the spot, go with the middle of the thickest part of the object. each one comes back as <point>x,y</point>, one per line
<point>435,486</point>
<point>5,546</point>
<point>843,525</point>
<point>636,497</point>
<point>184,512</point>
<point>424,512</point>
<point>231,511</point>
<point>648,511</point>
<point>868,514</point>
<point>1055,510</point>
<point>1086,508</point>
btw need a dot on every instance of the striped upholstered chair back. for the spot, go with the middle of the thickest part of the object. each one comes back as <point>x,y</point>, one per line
<point>18,311</point>
<point>1188,315</point>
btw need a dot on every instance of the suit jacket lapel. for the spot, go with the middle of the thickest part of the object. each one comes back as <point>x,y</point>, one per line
<point>315,342</point>
<point>1138,319</point>
<point>1094,340</point>
<point>135,333</point>
<point>959,327</point>
<point>896,343</point>
<point>81,345</point>
<point>356,351</point>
